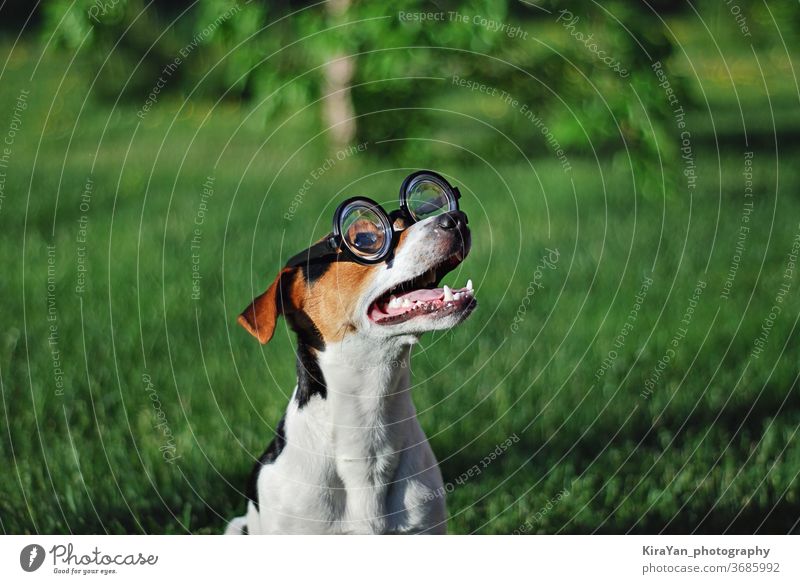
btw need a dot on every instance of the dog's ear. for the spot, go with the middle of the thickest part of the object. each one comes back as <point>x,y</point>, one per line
<point>259,318</point>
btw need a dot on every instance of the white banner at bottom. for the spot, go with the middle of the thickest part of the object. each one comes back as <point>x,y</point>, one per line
<point>118,559</point>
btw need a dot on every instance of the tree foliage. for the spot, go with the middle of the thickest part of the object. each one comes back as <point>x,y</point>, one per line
<point>563,61</point>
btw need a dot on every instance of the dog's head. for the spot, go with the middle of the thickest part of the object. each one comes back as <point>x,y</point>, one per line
<point>325,300</point>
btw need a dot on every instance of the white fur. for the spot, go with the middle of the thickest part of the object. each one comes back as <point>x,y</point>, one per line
<point>358,460</point>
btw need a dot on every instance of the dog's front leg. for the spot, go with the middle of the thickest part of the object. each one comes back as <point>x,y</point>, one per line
<point>365,508</point>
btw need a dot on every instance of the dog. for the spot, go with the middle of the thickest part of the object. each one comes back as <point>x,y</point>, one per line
<point>349,456</point>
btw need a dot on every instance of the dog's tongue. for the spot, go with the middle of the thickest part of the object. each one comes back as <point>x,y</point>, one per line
<point>380,309</point>
<point>422,295</point>
<point>418,302</point>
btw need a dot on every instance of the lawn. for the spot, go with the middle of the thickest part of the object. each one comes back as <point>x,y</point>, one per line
<point>623,372</point>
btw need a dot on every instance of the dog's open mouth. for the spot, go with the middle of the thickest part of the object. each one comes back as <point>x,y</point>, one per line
<point>420,297</point>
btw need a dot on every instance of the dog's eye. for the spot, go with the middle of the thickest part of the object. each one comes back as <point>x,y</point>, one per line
<point>365,233</point>
<point>366,241</point>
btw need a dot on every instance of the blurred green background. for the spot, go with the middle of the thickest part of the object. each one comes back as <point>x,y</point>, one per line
<point>164,160</point>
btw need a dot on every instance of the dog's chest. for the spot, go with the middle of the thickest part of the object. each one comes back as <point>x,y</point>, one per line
<point>355,461</point>
<point>334,481</point>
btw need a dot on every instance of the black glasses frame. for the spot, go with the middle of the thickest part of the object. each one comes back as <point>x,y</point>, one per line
<point>334,246</point>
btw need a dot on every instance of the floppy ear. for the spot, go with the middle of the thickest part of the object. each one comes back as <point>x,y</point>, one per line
<point>259,318</point>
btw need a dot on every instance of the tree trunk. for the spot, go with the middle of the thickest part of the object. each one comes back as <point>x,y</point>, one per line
<point>338,113</point>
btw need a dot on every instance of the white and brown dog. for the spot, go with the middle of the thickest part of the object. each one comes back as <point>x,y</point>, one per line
<point>349,455</point>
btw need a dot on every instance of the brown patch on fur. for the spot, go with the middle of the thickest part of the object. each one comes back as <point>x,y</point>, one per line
<point>400,235</point>
<point>331,300</point>
<point>401,223</point>
<point>259,318</point>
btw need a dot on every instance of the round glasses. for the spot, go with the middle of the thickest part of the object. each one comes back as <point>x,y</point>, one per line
<point>364,232</point>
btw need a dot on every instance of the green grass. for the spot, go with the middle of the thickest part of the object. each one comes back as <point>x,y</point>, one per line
<point>712,449</point>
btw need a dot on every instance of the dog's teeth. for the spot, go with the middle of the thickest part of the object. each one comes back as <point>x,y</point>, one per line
<point>469,284</point>
<point>448,294</point>
<point>406,303</point>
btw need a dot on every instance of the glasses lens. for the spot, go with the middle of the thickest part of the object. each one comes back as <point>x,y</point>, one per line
<point>427,197</point>
<point>365,230</point>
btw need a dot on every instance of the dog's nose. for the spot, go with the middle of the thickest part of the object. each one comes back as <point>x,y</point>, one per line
<point>451,220</point>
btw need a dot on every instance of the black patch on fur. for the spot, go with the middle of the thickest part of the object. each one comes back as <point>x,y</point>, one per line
<point>314,270</point>
<point>301,323</point>
<point>270,454</point>
<point>307,332</point>
<point>310,381</point>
